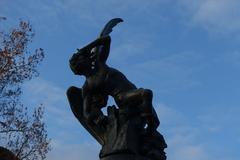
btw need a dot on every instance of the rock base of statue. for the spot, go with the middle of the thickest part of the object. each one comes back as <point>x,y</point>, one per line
<point>127,139</point>
<point>121,132</point>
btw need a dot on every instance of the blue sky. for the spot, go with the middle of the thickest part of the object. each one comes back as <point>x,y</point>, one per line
<point>186,51</point>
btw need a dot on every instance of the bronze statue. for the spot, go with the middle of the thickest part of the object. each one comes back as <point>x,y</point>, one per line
<point>132,123</point>
<point>6,154</point>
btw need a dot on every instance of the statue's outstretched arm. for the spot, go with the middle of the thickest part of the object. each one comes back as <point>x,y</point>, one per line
<point>99,41</point>
<point>104,51</point>
<point>102,48</point>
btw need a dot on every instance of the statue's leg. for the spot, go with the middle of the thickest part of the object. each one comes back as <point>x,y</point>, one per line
<point>148,110</point>
<point>142,98</point>
<point>92,105</point>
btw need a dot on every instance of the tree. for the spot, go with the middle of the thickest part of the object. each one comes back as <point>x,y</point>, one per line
<point>23,134</point>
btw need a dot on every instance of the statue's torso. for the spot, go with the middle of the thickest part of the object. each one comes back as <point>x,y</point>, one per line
<point>108,81</point>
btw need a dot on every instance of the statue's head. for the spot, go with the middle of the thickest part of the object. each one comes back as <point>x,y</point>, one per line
<point>81,63</point>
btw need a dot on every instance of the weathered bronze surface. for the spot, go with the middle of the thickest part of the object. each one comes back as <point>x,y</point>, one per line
<point>129,130</point>
<point>6,154</point>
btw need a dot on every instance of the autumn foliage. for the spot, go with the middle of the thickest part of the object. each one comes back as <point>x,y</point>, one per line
<point>23,134</point>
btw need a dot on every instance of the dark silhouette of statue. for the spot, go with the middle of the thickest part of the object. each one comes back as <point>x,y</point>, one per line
<point>129,130</point>
<point>6,154</point>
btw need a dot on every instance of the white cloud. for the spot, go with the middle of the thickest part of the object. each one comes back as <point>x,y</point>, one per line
<point>221,16</point>
<point>189,153</point>
<point>231,58</point>
<point>181,136</point>
<point>218,118</point>
<point>52,97</point>
<point>182,147</point>
<point>62,151</point>
<point>74,14</point>
<point>131,46</point>
<point>173,72</point>
<point>169,116</point>
<point>68,143</point>
<point>204,137</point>
<point>45,90</point>
<point>65,131</point>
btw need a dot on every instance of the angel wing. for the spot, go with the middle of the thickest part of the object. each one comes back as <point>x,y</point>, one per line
<point>105,32</point>
<point>109,26</point>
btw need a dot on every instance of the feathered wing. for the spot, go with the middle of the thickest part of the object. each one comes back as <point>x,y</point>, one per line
<point>109,26</point>
<point>106,31</point>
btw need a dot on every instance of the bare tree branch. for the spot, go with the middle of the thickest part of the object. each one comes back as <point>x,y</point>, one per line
<point>21,148</point>
<point>24,134</point>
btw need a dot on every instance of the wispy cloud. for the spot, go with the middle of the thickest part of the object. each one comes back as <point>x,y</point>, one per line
<point>180,133</point>
<point>171,71</point>
<point>51,96</point>
<point>219,16</point>
<point>232,58</point>
<point>64,130</point>
<point>74,14</point>
<point>202,138</point>
<point>63,151</point>
<point>217,118</point>
<point>189,152</point>
<point>181,136</point>
<point>67,136</point>
<point>174,71</point>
